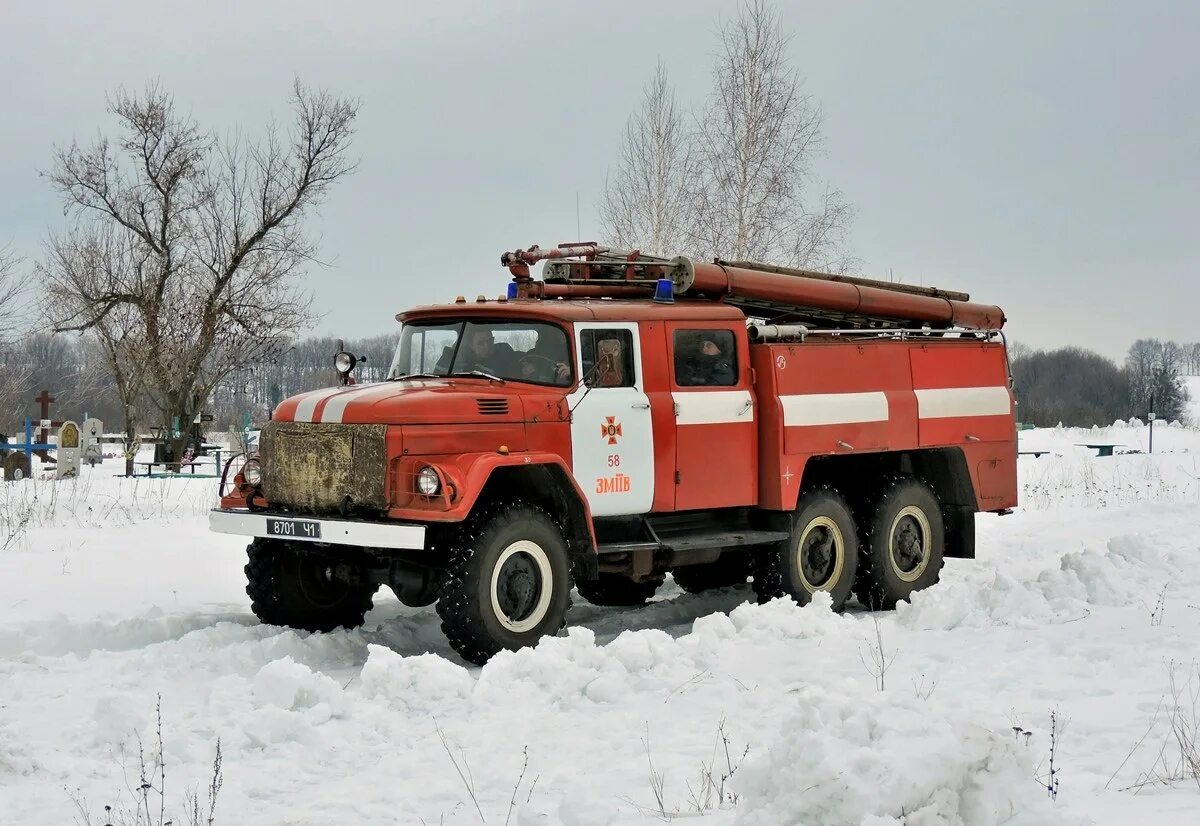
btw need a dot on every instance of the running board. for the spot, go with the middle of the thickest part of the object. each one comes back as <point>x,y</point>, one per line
<point>696,541</point>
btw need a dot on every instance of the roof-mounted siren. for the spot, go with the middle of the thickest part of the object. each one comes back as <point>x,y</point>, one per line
<point>664,291</point>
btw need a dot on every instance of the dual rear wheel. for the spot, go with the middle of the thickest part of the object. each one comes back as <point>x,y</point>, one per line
<point>899,550</point>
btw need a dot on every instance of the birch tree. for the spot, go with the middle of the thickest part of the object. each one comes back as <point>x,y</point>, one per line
<point>196,241</point>
<point>755,142</point>
<point>645,204</point>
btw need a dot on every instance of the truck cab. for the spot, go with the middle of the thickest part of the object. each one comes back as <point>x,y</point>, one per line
<point>602,428</point>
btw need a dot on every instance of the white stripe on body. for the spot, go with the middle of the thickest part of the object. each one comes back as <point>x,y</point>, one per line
<point>809,409</point>
<point>951,402</point>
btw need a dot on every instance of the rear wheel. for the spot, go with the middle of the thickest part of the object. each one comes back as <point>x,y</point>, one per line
<point>507,585</point>
<point>730,569</point>
<point>614,589</point>
<point>904,546</point>
<point>298,589</point>
<point>821,553</point>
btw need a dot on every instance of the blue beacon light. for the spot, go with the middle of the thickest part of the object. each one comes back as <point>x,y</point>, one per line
<point>664,291</point>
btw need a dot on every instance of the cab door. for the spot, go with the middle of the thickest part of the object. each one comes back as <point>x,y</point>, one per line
<point>612,439</point>
<point>716,441</point>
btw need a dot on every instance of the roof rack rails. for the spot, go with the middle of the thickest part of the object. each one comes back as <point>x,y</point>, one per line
<point>775,294</point>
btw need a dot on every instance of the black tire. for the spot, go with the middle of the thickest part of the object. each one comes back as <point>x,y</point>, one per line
<point>507,583</point>
<point>295,588</point>
<point>903,547</point>
<point>820,555</point>
<point>614,589</point>
<point>729,570</point>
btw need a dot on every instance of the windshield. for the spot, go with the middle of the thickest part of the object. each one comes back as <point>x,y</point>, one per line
<point>529,351</point>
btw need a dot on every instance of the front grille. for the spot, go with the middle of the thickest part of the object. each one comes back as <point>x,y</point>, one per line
<point>313,468</point>
<point>492,407</point>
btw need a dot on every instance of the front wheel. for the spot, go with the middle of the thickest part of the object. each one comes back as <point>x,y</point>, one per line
<point>507,585</point>
<point>298,589</point>
<point>821,553</point>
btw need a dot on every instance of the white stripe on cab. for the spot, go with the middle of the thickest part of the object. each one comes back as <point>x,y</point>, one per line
<point>713,407</point>
<point>309,401</point>
<point>335,408</point>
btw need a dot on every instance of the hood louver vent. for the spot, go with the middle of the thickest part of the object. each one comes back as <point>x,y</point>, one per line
<point>493,407</point>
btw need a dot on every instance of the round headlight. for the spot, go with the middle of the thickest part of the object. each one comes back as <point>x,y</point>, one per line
<point>344,362</point>
<point>252,472</point>
<point>428,482</point>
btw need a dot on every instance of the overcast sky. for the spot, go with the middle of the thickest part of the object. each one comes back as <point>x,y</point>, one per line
<point>1042,156</point>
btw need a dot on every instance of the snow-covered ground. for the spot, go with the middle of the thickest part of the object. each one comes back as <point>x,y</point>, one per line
<point>1085,603</point>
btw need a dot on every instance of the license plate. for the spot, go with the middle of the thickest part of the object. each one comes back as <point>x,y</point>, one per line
<point>293,528</point>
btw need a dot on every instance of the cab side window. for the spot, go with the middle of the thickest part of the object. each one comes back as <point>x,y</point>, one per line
<point>705,358</point>
<point>607,358</point>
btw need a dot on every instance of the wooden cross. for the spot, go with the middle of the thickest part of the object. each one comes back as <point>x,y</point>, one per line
<point>45,400</point>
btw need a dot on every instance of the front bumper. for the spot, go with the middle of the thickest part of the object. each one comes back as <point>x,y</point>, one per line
<point>393,535</point>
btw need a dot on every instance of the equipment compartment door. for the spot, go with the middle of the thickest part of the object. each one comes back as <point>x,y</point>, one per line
<point>612,439</point>
<point>716,441</point>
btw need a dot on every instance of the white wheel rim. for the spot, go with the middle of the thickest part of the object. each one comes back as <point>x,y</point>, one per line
<point>918,516</point>
<point>839,552</point>
<point>545,573</point>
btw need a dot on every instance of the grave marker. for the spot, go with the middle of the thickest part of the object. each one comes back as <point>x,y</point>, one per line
<point>92,448</point>
<point>69,452</point>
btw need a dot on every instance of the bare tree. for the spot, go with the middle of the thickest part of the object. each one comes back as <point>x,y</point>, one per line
<point>14,373</point>
<point>755,143</point>
<point>1154,369</point>
<point>186,249</point>
<point>12,297</point>
<point>1192,358</point>
<point>645,205</point>
<point>82,259</point>
<point>1018,350</point>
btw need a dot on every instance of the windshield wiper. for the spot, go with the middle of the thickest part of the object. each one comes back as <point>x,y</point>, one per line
<point>408,376</point>
<point>481,374</point>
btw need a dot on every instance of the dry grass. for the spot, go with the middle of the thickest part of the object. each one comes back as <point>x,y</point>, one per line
<point>1175,727</point>
<point>142,798</point>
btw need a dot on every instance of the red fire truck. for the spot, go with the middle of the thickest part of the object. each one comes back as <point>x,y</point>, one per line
<point>622,418</point>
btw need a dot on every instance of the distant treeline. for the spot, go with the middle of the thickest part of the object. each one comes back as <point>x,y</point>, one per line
<point>1078,387</point>
<point>1070,385</point>
<point>71,368</point>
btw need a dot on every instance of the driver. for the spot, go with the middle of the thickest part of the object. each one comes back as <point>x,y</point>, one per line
<point>479,351</point>
<point>545,361</point>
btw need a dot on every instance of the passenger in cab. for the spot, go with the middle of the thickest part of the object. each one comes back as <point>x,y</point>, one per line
<point>705,366</point>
